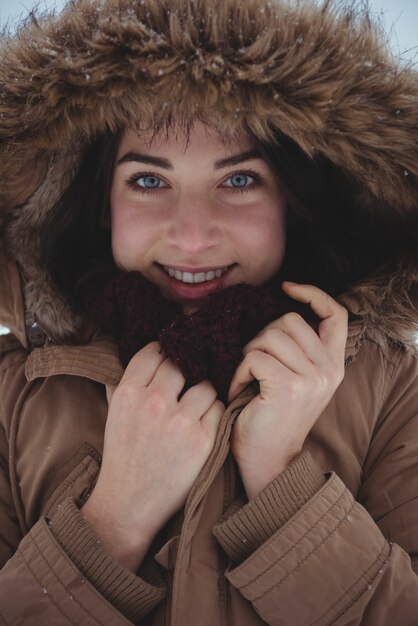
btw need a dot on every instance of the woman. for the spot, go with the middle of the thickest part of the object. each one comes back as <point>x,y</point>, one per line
<point>208,399</point>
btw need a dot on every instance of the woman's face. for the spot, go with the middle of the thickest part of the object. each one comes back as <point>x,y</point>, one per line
<point>194,217</point>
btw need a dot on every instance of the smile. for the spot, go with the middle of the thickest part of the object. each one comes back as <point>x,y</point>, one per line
<point>195,277</point>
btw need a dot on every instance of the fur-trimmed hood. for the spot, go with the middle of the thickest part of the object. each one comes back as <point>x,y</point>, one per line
<point>321,75</point>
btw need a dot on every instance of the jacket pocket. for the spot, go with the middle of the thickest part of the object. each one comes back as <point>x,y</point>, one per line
<point>76,478</point>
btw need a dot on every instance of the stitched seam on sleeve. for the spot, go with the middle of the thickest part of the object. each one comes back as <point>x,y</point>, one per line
<point>50,598</point>
<point>380,560</point>
<point>294,546</point>
<point>305,558</point>
<point>68,484</point>
<point>62,583</point>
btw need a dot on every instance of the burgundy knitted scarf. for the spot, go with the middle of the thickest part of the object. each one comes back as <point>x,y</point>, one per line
<point>206,344</point>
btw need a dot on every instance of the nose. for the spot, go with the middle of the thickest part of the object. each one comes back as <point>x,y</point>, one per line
<point>193,228</point>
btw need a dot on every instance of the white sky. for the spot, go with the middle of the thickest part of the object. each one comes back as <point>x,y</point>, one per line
<point>400,19</point>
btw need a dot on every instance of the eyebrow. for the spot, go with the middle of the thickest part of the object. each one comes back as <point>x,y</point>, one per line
<point>165,163</point>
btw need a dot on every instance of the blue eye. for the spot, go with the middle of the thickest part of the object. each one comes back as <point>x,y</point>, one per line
<point>150,182</point>
<point>239,181</point>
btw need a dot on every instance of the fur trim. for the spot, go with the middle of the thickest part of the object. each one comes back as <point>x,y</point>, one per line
<point>41,298</point>
<point>322,75</point>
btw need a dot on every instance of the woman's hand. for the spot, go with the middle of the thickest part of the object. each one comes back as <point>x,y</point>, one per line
<point>155,446</point>
<point>298,372</point>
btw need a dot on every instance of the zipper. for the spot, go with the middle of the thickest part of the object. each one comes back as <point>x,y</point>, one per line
<point>211,467</point>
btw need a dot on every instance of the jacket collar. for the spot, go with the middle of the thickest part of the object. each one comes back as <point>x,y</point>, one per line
<point>99,360</point>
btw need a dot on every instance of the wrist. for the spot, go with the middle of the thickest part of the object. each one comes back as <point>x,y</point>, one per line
<point>125,543</point>
<point>257,478</point>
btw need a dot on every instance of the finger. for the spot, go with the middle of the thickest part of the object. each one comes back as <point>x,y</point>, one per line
<point>294,326</point>
<point>198,399</point>
<point>277,343</point>
<point>169,377</point>
<point>257,366</point>
<point>144,364</point>
<point>334,317</point>
<point>210,420</point>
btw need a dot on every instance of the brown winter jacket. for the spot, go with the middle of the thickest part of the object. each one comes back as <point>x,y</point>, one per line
<point>334,538</point>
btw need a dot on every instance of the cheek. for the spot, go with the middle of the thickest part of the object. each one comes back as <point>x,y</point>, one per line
<point>130,236</point>
<point>264,242</point>
<point>266,230</point>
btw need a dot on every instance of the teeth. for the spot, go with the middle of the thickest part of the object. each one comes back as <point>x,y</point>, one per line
<point>186,277</point>
<point>199,277</point>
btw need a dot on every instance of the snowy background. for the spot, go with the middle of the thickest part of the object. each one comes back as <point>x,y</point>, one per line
<point>399,17</point>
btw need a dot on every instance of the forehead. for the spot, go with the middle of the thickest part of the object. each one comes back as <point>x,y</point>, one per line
<point>175,139</point>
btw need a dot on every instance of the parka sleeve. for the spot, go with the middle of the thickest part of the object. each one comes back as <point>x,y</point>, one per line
<point>41,584</point>
<point>58,573</point>
<point>304,551</point>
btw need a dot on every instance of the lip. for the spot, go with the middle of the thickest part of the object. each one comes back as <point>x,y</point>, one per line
<point>193,291</point>
<point>193,270</point>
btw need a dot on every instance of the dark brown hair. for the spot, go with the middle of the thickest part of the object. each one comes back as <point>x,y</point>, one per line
<point>76,238</point>
<point>331,242</point>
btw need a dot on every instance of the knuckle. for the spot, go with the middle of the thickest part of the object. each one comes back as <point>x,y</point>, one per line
<point>153,346</point>
<point>219,406</point>
<point>271,333</point>
<point>144,353</point>
<point>332,376</point>
<point>295,317</point>
<point>295,386</point>
<point>205,445</point>
<point>156,402</point>
<point>338,307</point>
<point>248,362</point>
<point>182,420</point>
<point>254,356</point>
<point>292,318</point>
<point>205,390</point>
<point>322,380</point>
